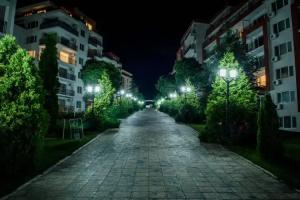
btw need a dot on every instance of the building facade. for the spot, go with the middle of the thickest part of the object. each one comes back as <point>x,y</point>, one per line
<point>77,41</point>
<point>270,30</point>
<point>127,79</point>
<point>191,43</point>
<point>7,16</point>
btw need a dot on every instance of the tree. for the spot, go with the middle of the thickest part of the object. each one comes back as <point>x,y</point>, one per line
<point>166,84</point>
<point>268,144</point>
<point>230,43</point>
<point>48,69</point>
<point>94,69</point>
<point>188,69</point>
<point>23,120</point>
<point>242,107</point>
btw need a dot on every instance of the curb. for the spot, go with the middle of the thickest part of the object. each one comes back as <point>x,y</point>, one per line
<point>53,166</point>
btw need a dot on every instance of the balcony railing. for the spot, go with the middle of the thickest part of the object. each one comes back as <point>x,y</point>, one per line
<point>187,48</point>
<point>3,26</point>
<point>56,22</point>
<point>94,53</point>
<point>65,109</point>
<point>66,75</point>
<point>95,42</point>
<point>63,41</point>
<point>66,92</point>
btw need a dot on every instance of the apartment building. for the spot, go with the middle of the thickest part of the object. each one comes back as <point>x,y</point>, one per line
<point>7,16</point>
<point>127,79</point>
<point>191,42</point>
<point>270,29</point>
<point>77,40</point>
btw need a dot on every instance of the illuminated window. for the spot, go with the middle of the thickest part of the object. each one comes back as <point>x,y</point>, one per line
<point>41,11</point>
<point>261,80</point>
<point>32,53</point>
<point>89,26</point>
<point>66,57</point>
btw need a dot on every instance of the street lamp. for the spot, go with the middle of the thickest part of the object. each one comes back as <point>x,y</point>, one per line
<point>228,76</point>
<point>185,89</point>
<point>93,89</point>
<point>173,95</point>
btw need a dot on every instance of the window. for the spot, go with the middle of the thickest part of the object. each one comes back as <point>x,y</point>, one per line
<point>281,26</point>
<point>81,46</point>
<point>81,61</point>
<point>287,122</point>
<point>78,104</point>
<point>79,90</point>
<point>261,80</point>
<point>89,26</point>
<point>285,72</point>
<point>32,24</point>
<point>259,62</point>
<point>286,97</point>
<point>67,57</point>
<point>79,74</point>
<point>255,43</point>
<point>82,33</point>
<point>31,39</point>
<point>276,5</point>
<point>280,122</point>
<point>294,122</point>
<point>283,48</point>
<point>32,53</point>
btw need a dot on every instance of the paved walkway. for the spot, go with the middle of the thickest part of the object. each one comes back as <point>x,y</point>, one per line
<point>152,157</point>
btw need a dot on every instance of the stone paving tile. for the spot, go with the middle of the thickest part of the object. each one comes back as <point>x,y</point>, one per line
<point>152,157</point>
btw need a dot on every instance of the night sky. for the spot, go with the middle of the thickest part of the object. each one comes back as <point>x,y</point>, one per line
<point>145,34</point>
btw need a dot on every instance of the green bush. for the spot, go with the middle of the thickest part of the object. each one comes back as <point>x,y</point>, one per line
<point>23,120</point>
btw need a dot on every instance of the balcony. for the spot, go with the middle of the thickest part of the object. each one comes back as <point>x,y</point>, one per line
<point>65,109</point>
<point>55,22</point>
<point>63,41</point>
<point>188,48</point>
<point>3,25</point>
<point>66,92</point>
<point>94,53</point>
<point>94,41</point>
<point>64,74</point>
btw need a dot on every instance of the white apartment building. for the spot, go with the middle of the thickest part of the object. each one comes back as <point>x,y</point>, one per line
<point>126,80</point>
<point>271,31</point>
<point>7,16</point>
<point>76,39</point>
<point>191,42</point>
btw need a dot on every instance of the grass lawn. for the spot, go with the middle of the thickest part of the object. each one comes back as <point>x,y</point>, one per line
<point>54,150</point>
<point>286,169</point>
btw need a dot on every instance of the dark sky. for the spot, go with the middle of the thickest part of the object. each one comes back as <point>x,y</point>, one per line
<point>145,34</point>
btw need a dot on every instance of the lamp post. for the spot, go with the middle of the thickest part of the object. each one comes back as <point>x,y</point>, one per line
<point>228,75</point>
<point>92,90</point>
<point>185,89</point>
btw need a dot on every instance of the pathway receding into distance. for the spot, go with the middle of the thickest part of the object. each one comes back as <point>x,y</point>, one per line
<point>152,157</point>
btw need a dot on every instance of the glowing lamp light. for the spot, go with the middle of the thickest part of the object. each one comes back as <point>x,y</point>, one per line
<point>223,73</point>
<point>97,89</point>
<point>183,89</point>
<point>233,73</point>
<point>89,89</point>
<point>188,89</point>
<point>122,92</point>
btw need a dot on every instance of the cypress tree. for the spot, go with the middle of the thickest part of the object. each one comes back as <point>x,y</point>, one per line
<point>48,69</point>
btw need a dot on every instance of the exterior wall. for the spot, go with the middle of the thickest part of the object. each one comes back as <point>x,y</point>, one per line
<point>254,21</point>
<point>7,16</point>
<point>126,80</point>
<point>191,43</point>
<point>73,46</point>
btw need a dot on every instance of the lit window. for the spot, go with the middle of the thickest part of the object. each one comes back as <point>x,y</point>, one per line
<point>41,11</point>
<point>261,80</point>
<point>32,53</point>
<point>89,26</point>
<point>66,57</point>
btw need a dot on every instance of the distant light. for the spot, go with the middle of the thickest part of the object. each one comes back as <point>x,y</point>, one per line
<point>122,92</point>
<point>89,89</point>
<point>183,89</point>
<point>188,89</point>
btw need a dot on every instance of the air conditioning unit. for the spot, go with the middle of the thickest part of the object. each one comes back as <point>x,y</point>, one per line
<point>275,58</point>
<point>279,106</point>
<point>277,82</point>
<point>271,14</point>
<point>273,36</point>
